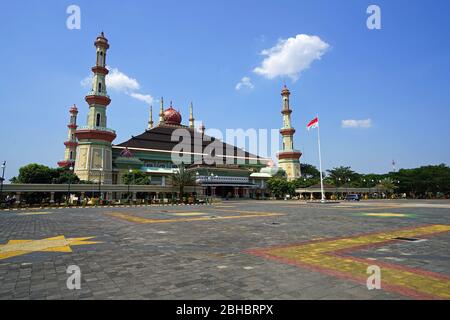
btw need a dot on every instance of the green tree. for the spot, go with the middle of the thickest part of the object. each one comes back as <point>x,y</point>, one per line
<point>36,174</point>
<point>182,178</point>
<point>279,187</point>
<point>309,171</point>
<point>388,185</point>
<point>64,176</point>
<point>341,175</point>
<point>136,177</point>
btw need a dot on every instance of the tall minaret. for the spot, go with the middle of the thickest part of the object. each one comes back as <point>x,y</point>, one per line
<point>161,112</point>
<point>191,116</point>
<point>94,140</point>
<point>289,158</point>
<point>71,143</point>
<point>150,122</point>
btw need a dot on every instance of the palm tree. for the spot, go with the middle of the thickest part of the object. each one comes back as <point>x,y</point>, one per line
<point>183,178</point>
<point>388,185</point>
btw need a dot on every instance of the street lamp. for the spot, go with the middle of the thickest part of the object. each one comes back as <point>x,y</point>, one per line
<point>2,179</point>
<point>129,182</point>
<point>100,185</point>
<point>70,180</point>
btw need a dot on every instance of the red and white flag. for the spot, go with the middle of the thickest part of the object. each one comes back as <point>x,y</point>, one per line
<point>313,124</point>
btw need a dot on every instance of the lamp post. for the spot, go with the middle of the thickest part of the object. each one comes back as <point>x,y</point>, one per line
<point>339,183</point>
<point>2,179</point>
<point>100,185</point>
<point>70,180</point>
<point>129,182</point>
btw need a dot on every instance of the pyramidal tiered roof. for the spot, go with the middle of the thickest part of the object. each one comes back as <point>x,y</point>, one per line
<point>160,138</point>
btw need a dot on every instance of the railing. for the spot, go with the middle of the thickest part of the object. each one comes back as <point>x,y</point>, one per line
<point>96,129</point>
<point>223,179</point>
<point>96,93</point>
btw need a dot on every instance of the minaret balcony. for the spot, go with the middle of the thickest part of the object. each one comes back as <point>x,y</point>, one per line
<point>287,131</point>
<point>71,144</point>
<point>95,133</point>
<point>100,70</point>
<point>66,163</point>
<point>72,126</point>
<point>98,98</point>
<point>289,155</point>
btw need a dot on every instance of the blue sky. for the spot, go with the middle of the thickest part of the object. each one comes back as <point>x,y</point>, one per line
<point>398,77</point>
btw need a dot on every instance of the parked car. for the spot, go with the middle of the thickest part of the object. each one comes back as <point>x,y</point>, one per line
<point>352,197</point>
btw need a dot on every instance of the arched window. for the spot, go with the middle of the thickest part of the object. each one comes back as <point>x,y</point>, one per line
<point>100,87</point>
<point>97,122</point>
<point>71,155</point>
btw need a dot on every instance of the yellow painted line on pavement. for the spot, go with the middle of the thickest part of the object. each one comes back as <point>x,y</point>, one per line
<point>187,214</point>
<point>387,215</point>
<point>33,213</point>
<point>136,219</point>
<point>324,256</point>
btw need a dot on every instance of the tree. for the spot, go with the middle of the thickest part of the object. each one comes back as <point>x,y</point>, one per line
<point>279,187</point>
<point>421,182</point>
<point>35,173</point>
<point>309,171</point>
<point>63,176</point>
<point>136,177</point>
<point>388,185</point>
<point>183,178</point>
<point>340,175</point>
<point>39,174</point>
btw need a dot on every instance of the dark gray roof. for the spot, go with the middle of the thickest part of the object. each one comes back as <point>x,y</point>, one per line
<point>160,138</point>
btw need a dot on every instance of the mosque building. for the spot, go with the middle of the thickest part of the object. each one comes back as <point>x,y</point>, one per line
<point>222,170</point>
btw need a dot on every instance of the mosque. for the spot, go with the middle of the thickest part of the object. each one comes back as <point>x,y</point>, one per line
<point>221,170</point>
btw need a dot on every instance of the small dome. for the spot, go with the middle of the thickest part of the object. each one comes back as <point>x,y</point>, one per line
<point>172,116</point>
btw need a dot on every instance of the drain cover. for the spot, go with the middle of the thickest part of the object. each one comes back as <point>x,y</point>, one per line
<point>407,239</point>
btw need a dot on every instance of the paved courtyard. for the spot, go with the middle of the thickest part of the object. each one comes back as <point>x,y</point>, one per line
<point>231,250</point>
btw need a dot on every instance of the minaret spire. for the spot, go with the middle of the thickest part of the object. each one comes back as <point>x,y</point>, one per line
<point>191,116</point>
<point>161,112</point>
<point>150,122</point>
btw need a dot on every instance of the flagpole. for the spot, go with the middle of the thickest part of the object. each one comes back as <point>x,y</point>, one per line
<point>320,162</point>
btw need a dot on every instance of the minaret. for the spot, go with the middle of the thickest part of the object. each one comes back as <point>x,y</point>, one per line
<point>191,116</point>
<point>161,112</point>
<point>150,122</point>
<point>71,143</point>
<point>94,140</point>
<point>289,158</point>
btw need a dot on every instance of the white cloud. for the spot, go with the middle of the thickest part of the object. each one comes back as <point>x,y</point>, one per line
<point>142,97</point>
<point>245,82</point>
<point>367,123</point>
<point>290,57</point>
<point>119,81</point>
<point>87,82</point>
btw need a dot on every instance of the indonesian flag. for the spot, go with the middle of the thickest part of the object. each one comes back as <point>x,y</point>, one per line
<point>313,124</point>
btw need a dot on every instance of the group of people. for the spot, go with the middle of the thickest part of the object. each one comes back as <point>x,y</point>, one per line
<point>10,201</point>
